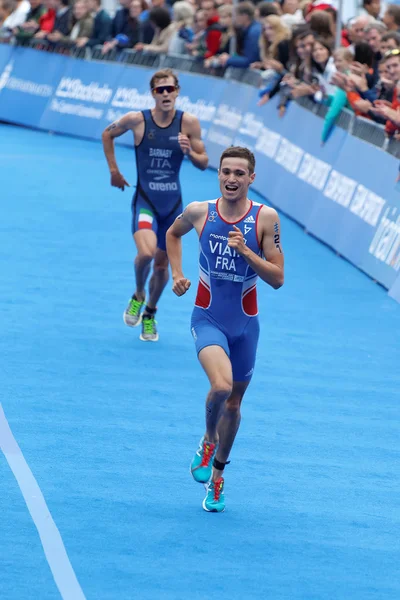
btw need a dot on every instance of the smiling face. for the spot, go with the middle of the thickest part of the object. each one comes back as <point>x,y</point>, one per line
<point>165,93</point>
<point>304,46</point>
<point>393,68</point>
<point>234,178</point>
<point>320,54</point>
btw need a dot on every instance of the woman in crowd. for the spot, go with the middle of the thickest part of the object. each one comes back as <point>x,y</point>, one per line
<point>82,23</point>
<point>133,31</point>
<point>274,53</point>
<point>323,69</point>
<point>182,17</point>
<point>198,47</point>
<point>164,30</point>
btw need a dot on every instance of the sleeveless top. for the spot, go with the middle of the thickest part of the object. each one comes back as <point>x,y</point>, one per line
<point>227,284</point>
<point>158,161</point>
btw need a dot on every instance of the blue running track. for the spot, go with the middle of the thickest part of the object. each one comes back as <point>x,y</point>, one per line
<point>108,424</point>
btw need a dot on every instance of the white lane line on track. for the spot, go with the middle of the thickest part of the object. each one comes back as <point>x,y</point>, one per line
<point>53,546</point>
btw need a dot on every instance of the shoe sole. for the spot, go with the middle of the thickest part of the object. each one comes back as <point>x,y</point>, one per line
<point>213,511</point>
<point>144,339</point>
<point>129,324</point>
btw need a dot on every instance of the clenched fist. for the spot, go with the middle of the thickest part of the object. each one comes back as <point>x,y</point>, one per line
<point>181,285</point>
<point>184,143</point>
<point>236,241</point>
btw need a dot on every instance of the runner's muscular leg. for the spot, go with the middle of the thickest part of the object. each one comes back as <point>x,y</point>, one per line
<point>218,368</point>
<point>229,422</point>
<point>159,278</point>
<point>146,244</point>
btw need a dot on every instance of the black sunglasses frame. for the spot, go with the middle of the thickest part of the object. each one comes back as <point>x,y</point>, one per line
<point>159,89</point>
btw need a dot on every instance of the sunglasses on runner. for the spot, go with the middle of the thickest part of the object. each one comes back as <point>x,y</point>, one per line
<point>160,89</point>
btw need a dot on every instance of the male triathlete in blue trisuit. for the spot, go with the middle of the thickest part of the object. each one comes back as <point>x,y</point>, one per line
<point>239,241</point>
<point>162,136</point>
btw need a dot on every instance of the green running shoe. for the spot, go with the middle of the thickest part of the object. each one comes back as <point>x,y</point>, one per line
<point>215,498</point>
<point>149,329</point>
<point>132,315</point>
<point>201,466</point>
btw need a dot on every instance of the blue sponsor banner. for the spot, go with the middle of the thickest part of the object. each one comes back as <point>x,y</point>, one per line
<point>28,81</point>
<point>132,93</point>
<point>370,196</point>
<point>200,96</point>
<point>233,104</point>
<point>81,98</point>
<point>330,190</point>
<point>294,167</point>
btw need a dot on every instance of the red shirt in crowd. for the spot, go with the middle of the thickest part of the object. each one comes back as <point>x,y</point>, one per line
<point>46,22</point>
<point>213,37</point>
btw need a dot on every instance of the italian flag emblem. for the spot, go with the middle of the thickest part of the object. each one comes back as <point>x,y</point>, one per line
<point>145,219</point>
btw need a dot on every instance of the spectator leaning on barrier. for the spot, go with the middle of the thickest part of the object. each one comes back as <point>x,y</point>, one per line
<point>198,46</point>
<point>83,24</point>
<point>164,30</point>
<point>62,23</point>
<point>133,30</point>
<point>47,21</point>
<point>182,17</point>
<point>274,53</point>
<point>360,83</point>
<point>213,33</point>
<point>251,31</point>
<point>6,9</point>
<point>27,30</point>
<point>101,25</point>
<point>343,59</point>
<point>18,14</point>
<point>323,69</point>
<point>120,21</point>
<point>299,82</point>
<point>225,13</point>
<point>389,111</point>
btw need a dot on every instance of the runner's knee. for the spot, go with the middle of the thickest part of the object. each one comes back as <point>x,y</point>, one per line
<point>233,403</point>
<point>221,389</point>
<point>144,256</point>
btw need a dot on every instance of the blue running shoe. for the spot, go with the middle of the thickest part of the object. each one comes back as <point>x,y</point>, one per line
<point>215,498</point>
<point>201,466</point>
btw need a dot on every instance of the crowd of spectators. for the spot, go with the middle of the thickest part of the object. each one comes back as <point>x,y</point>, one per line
<point>293,44</point>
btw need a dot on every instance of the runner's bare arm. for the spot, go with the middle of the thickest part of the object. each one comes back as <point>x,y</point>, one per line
<point>193,216</point>
<point>116,129</point>
<point>270,268</point>
<point>191,142</point>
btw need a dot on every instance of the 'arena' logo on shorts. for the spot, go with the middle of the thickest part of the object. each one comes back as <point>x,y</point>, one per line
<point>158,186</point>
